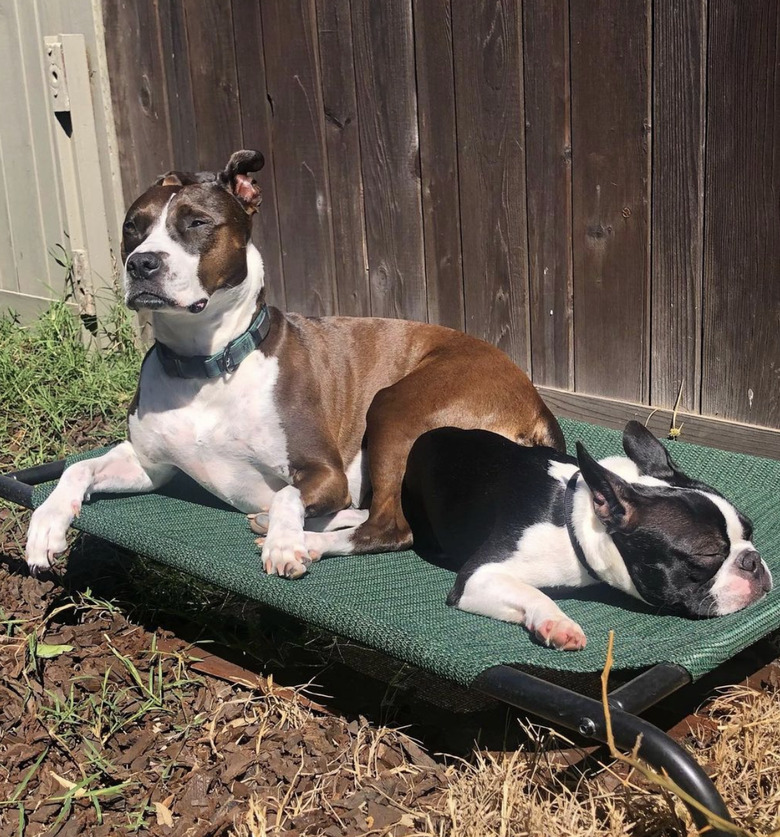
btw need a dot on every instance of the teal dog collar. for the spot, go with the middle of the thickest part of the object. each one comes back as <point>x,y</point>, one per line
<point>223,362</point>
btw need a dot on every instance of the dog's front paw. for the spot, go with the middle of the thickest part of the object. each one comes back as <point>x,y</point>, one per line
<point>46,537</point>
<point>285,554</point>
<point>561,633</point>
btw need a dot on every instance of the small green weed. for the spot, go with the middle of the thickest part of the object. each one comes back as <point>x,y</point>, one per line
<point>57,391</point>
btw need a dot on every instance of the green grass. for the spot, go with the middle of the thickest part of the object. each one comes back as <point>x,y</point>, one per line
<point>57,391</point>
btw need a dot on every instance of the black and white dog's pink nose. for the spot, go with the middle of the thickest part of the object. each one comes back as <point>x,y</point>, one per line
<point>142,266</point>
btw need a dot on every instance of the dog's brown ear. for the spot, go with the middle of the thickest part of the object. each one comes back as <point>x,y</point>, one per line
<point>242,162</point>
<point>235,178</point>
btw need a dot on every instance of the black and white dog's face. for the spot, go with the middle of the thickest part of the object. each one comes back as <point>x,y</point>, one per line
<point>686,548</point>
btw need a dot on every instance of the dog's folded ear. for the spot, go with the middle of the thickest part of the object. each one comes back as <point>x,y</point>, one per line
<point>235,178</point>
<point>614,500</point>
<point>185,178</point>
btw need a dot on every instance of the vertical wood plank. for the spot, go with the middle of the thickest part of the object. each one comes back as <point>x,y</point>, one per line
<point>212,61</point>
<point>439,161</point>
<point>138,94</point>
<point>610,89</point>
<point>300,162</point>
<point>84,147</point>
<point>256,131</point>
<point>342,138</point>
<point>175,56</point>
<point>741,363</point>
<point>49,190</point>
<point>9,280</point>
<point>679,48</point>
<point>24,191</point>
<point>489,96</point>
<point>389,141</point>
<point>548,184</point>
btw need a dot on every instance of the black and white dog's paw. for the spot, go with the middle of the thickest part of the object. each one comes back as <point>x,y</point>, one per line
<point>561,632</point>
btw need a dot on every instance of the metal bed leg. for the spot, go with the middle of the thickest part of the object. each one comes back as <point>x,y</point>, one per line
<point>586,716</point>
<point>18,487</point>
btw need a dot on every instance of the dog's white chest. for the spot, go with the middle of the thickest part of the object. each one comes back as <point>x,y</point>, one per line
<point>225,433</point>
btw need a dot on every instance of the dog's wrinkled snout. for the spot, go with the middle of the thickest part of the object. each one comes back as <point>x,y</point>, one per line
<point>143,265</point>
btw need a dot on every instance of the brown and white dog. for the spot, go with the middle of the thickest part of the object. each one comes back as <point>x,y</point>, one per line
<point>304,417</point>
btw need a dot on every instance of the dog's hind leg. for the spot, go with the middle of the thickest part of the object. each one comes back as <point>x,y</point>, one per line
<point>119,470</point>
<point>396,417</point>
<point>493,590</point>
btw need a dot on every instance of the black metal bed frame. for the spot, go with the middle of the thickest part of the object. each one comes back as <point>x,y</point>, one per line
<point>546,700</point>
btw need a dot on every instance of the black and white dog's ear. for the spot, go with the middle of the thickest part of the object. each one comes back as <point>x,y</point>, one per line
<point>614,500</point>
<point>235,178</point>
<point>649,455</point>
<point>652,458</point>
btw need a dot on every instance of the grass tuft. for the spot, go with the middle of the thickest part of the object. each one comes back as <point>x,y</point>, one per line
<point>59,393</point>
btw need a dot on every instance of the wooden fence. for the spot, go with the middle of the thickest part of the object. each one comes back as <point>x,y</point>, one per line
<point>592,185</point>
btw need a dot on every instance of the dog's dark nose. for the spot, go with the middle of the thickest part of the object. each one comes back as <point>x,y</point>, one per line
<point>143,265</point>
<point>750,562</point>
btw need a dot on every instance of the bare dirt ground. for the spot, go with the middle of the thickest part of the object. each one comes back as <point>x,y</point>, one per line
<point>133,701</point>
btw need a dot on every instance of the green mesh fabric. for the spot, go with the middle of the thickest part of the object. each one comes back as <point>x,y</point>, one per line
<point>396,602</point>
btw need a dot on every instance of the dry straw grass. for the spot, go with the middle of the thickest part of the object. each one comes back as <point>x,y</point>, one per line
<point>524,793</point>
<point>360,764</point>
<point>745,755</point>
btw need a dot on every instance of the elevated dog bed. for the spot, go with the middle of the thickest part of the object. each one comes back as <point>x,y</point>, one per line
<point>396,602</point>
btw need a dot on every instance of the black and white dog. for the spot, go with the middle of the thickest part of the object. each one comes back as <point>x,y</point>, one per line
<point>512,519</point>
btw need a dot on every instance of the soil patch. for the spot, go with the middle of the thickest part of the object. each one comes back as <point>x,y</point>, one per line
<point>104,726</point>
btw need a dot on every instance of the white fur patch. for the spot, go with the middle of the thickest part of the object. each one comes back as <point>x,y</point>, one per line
<point>544,558</point>
<point>732,589</point>
<point>494,590</point>
<point>358,478</point>
<point>225,433</point>
<point>561,471</point>
<point>338,542</point>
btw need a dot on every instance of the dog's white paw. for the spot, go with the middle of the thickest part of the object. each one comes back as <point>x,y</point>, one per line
<point>562,633</point>
<point>285,554</point>
<point>46,537</point>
